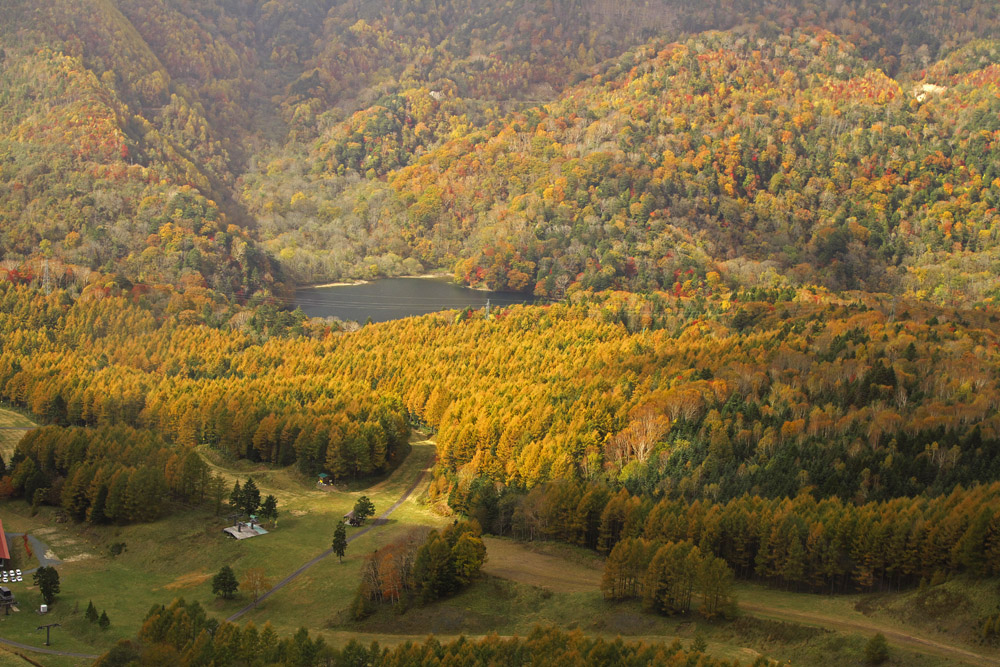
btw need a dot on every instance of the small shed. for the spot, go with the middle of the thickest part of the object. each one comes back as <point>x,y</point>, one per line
<point>350,518</point>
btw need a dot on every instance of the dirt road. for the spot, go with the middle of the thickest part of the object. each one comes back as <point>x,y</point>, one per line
<point>900,638</point>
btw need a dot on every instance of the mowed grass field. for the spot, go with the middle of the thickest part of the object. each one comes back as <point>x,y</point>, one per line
<point>13,425</point>
<point>178,555</point>
<point>546,565</point>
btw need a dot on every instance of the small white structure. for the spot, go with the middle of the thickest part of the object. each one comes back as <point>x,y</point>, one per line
<point>922,92</point>
<point>243,531</point>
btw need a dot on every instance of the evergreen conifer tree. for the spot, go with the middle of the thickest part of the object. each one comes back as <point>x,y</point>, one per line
<point>224,583</point>
<point>236,497</point>
<point>340,541</point>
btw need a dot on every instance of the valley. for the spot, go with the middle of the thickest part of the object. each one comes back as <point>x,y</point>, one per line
<point>642,333</point>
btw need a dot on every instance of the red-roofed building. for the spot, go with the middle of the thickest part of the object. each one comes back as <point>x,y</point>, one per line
<point>4,551</point>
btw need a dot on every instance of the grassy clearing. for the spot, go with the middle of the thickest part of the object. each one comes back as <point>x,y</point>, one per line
<point>935,622</point>
<point>803,628</point>
<point>553,572</point>
<point>512,608</point>
<point>13,425</point>
<point>951,609</point>
<point>178,555</point>
<point>12,419</point>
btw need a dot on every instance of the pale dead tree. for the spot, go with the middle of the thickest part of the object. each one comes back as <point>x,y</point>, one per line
<point>902,398</point>
<point>371,577</point>
<point>767,442</point>
<point>743,376</point>
<point>883,421</point>
<point>239,320</point>
<point>82,275</point>
<point>941,457</point>
<point>636,441</point>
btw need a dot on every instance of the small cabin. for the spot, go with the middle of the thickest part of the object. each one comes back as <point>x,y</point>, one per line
<point>351,519</point>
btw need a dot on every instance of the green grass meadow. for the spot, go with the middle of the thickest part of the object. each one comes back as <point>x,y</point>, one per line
<point>177,556</point>
<point>13,425</point>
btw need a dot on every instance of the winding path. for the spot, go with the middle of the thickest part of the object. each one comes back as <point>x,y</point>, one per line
<point>919,644</point>
<point>41,551</point>
<point>381,520</point>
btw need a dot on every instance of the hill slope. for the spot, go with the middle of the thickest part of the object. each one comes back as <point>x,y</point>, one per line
<point>794,154</point>
<point>517,142</point>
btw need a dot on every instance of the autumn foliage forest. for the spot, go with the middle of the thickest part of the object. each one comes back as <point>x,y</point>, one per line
<point>768,234</point>
<point>537,147</point>
<point>775,414</point>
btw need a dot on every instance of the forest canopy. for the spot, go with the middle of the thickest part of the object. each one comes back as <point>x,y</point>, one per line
<point>539,147</point>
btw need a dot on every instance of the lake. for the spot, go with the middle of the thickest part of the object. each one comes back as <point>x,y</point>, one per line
<point>395,298</point>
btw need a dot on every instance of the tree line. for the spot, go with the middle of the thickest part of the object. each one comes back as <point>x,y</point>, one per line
<point>182,633</point>
<point>110,474</point>
<point>802,543</point>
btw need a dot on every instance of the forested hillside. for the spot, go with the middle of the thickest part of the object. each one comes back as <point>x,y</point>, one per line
<point>767,232</point>
<point>538,147</point>
<point>92,185</point>
<point>729,152</point>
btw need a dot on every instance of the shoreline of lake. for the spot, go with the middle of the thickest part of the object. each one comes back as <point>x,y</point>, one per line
<point>395,298</point>
<point>351,283</point>
<point>340,284</point>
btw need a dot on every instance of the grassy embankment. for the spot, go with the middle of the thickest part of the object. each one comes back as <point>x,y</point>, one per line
<point>9,658</point>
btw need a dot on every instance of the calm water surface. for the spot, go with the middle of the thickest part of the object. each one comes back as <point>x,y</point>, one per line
<point>395,298</point>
